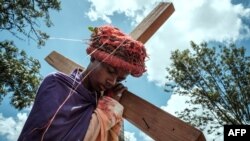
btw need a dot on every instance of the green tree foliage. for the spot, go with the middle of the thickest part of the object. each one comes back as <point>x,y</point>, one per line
<point>24,16</point>
<point>218,79</point>
<point>19,75</point>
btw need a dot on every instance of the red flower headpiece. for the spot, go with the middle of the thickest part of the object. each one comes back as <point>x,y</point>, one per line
<point>108,44</point>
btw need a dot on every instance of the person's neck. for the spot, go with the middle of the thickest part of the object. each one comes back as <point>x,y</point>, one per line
<point>86,81</point>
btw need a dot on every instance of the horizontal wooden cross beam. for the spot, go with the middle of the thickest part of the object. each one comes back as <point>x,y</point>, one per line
<point>152,120</point>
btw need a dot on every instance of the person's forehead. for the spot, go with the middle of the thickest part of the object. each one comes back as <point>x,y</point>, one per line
<point>119,71</point>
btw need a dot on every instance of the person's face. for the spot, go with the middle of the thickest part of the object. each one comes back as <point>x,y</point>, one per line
<point>104,76</point>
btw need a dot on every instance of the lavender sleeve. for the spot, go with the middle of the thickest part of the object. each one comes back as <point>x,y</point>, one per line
<point>72,120</point>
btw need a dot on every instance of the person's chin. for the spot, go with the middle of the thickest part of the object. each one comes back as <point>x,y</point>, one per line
<point>99,88</point>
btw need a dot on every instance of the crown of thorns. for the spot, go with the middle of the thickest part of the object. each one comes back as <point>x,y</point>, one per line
<point>108,44</point>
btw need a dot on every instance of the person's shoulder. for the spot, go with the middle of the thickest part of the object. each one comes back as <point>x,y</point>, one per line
<point>55,76</point>
<point>60,76</point>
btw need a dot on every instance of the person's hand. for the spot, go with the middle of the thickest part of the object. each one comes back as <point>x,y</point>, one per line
<point>116,91</point>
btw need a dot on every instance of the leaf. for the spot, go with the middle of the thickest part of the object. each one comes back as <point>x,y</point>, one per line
<point>19,75</point>
<point>91,28</point>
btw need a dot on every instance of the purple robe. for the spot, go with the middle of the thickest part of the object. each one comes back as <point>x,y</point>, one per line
<point>71,122</point>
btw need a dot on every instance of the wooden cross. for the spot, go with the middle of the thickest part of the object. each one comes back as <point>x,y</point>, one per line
<point>152,120</point>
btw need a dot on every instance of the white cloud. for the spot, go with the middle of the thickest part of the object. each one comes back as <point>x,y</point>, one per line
<point>11,127</point>
<point>129,136</point>
<point>176,103</point>
<point>197,20</point>
<point>131,8</point>
<point>145,137</point>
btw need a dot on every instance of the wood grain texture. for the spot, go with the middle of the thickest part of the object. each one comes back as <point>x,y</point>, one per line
<point>152,22</point>
<point>61,63</point>
<point>155,122</point>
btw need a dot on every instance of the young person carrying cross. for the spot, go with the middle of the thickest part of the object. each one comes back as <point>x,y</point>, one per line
<point>84,106</point>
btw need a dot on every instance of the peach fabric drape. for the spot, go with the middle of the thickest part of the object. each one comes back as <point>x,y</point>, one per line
<point>106,121</point>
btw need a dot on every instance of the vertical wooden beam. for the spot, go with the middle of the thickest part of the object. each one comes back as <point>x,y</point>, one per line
<point>152,22</point>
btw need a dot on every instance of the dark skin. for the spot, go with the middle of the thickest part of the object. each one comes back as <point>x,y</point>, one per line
<point>102,77</point>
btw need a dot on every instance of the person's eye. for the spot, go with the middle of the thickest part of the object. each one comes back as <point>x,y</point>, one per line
<point>110,70</point>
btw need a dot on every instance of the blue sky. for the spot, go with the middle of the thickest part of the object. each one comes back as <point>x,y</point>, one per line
<point>197,20</point>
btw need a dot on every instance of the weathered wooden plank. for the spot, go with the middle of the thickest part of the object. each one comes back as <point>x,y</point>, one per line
<point>152,22</point>
<point>155,122</point>
<point>61,63</point>
<point>152,120</point>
